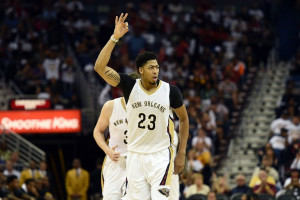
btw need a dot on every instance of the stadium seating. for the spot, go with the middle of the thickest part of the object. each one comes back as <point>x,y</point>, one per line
<point>236,196</point>
<point>197,197</point>
<point>286,197</point>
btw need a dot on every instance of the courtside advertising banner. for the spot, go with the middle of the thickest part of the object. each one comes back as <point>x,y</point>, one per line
<point>42,121</point>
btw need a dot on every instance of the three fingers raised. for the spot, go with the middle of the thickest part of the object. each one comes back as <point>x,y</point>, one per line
<point>122,18</point>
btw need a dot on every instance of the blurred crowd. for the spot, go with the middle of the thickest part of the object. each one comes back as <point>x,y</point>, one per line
<point>18,180</point>
<point>205,50</point>
<point>33,50</point>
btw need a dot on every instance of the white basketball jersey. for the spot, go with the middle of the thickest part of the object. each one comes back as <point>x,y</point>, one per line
<point>118,126</point>
<point>148,118</point>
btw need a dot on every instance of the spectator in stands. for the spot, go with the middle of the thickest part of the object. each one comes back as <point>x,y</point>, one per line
<point>203,155</point>
<point>296,162</point>
<point>44,172</point>
<point>68,77</point>
<point>266,164</point>
<point>95,184</point>
<point>211,196</point>
<point>14,190</point>
<point>15,159</point>
<point>289,98</point>
<point>185,181</point>
<point>269,153</point>
<point>202,137</point>
<point>228,91</point>
<point>29,188</point>
<point>251,196</point>
<point>256,180</point>
<point>49,196</point>
<point>4,152</point>
<point>244,197</point>
<point>193,164</point>
<point>293,181</point>
<point>220,185</point>
<point>241,186</point>
<point>197,187</point>
<point>39,188</point>
<point>279,144</point>
<point>279,123</point>
<point>42,169</point>
<point>9,170</point>
<point>264,186</point>
<point>43,92</point>
<point>77,182</point>
<point>294,130</point>
<point>136,43</point>
<point>51,65</point>
<point>3,185</point>
<point>295,69</point>
<point>75,6</point>
<point>208,123</point>
<point>30,172</point>
<point>44,187</point>
<point>105,95</point>
<point>208,92</point>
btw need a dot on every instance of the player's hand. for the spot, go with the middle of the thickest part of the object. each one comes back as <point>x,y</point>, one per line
<point>179,163</point>
<point>113,154</point>
<point>121,27</point>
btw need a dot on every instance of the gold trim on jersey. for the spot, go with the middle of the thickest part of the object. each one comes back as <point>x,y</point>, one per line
<point>102,177</point>
<point>152,91</point>
<point>169,171</point>
<point>171,130</point>
<point>123,103</point>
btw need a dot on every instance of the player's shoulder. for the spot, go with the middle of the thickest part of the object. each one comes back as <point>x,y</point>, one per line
<point>109,105</point>
<point>174,89</point>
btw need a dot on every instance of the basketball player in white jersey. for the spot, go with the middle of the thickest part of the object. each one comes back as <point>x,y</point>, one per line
<point>149,159</point>
<point>113,116</point>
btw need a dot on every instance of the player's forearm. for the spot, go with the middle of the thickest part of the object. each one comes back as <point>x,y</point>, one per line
<point>183,135</point>
<point>104,57</point>
<point>99,138</point>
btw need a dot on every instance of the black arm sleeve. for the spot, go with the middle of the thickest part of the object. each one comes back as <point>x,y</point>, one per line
<point>176,99</point>
<point>126,84</point>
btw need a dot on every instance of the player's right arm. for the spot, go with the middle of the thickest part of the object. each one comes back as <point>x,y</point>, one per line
<point>101,126</point>
<point>107,73</point>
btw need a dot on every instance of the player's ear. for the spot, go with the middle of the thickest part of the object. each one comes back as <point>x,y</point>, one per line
<point>141,70</point>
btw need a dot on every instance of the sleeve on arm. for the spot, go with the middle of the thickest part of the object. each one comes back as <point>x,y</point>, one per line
<point>176,99</point>
<point>126,84</point>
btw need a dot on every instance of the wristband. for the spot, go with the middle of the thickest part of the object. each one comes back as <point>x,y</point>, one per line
<point>114,39</point>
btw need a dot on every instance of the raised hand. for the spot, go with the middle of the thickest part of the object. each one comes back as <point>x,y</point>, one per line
<point>121,27</point>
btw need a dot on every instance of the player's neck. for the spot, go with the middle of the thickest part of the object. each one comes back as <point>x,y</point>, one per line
<point>148,86</point>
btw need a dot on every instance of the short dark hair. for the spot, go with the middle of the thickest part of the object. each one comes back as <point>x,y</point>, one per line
<point>11,178</point>
<point>142,58</point>
<point>29,180</point>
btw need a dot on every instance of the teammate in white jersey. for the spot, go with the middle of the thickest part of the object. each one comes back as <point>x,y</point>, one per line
<point>113,116</point>
<point>149,158</point>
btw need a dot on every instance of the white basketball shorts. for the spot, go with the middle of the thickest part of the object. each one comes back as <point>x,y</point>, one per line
<point>149,175</point>
<point>113,178</point>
